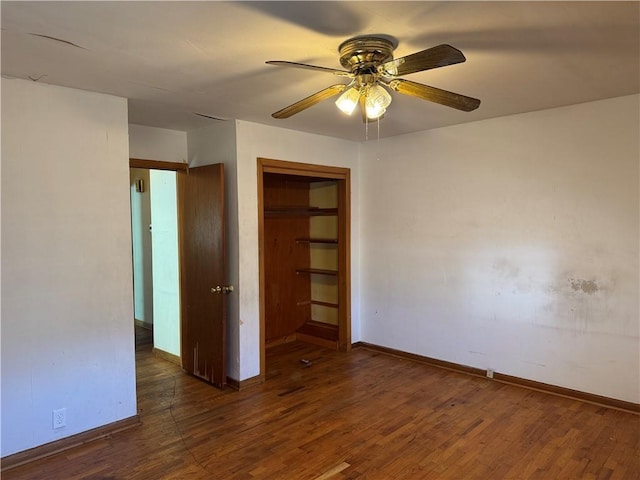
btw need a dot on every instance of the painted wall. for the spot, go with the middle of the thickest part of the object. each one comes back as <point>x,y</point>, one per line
<point>510,244</point>
<point>141,239</point>
<point>253,141</point>
<point>151,143</point>
<point>210,145</point>
<point>67,310</point>
<point>164,247</point>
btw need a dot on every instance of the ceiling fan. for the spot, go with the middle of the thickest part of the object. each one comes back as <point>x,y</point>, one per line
<point>373,71</point>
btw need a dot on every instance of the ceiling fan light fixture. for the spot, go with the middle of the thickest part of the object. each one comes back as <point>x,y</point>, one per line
<point>348,101</point>
<point>374,113</point>
<point>378,99</point>
<point>369,63</point>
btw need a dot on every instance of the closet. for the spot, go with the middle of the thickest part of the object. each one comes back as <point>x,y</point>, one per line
<point>304,255</point>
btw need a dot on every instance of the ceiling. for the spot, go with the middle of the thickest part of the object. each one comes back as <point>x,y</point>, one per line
<point>175,59</point>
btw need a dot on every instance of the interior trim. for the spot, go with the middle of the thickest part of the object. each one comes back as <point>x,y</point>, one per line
<point>592,398</point>
<point>169,357</point>
<point>53,448</point>
<point>157,164</point>
<point>244,384</point>
<point>321,342</point>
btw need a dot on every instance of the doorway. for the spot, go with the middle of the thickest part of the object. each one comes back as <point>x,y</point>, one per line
<point>199,206</point>
<point>304,255</point>
<point>154,231</point>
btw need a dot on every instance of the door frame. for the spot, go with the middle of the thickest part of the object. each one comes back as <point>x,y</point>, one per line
<point>158,165</point>
<point>321,172</point>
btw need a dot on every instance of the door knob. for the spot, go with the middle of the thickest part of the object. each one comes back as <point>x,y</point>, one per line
<point>226,290</point>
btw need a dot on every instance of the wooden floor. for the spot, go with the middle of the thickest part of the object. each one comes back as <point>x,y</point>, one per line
<point>358,415</point>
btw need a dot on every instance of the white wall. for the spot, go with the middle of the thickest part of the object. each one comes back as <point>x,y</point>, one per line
<point>207,146</point>
<point>164,248</point>
<point>67,311</point>
<point>253,141</point>
<point>151,143</point>
<point>510,244</point>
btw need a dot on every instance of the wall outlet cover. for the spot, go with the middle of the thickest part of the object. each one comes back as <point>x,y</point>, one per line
<point>60,418</point>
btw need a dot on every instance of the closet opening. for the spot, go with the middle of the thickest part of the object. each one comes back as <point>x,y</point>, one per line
<point>304,219</point>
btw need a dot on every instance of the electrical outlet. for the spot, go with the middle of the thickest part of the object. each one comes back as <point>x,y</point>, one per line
<point>489,373</point>
<point>60,418</point>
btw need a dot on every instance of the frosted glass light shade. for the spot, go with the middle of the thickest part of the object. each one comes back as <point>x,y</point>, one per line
<point>378,99</point>
<point>373,113</point>
<point>348,101</point>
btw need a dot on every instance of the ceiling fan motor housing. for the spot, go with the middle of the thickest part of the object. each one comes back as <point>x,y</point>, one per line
<point>362,55</point>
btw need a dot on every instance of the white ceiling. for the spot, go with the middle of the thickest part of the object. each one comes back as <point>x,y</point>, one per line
<point>171,59</point>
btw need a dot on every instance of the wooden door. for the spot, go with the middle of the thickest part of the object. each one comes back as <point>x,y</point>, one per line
<point>202,272</point>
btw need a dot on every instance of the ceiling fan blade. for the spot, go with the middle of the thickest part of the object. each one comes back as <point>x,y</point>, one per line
<point>281,63</point>
<point>435,57</point>
<point>433,94</point>
<point>310,101</point>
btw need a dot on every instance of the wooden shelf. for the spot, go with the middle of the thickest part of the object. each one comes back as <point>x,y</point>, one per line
<point>324,304</point>
<point>305,231</point>
<point>317,302</point>
<point>317,271</point>
<point>328,241</point>
<point>299,211</point>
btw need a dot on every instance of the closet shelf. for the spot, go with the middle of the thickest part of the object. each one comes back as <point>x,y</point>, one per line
<point>318,271</point>
<point>329,241</point>
<point>304,303</point>
<point>299,211</point>
<point>324,304</point>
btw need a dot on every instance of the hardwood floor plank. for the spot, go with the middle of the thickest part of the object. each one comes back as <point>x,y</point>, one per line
<point>332,472</point>
<point>356,415</point>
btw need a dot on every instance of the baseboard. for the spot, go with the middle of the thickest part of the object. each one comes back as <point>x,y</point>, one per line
<point>457,367</point>
<point>169,357</point>
<point>569,393</point>
<point>280,341</point>
<point>244,384</point>
<point>142,324</point>
<point>321,342</point>
<point>53,448</point>
<point>303,337</point>
<point>511,380</point>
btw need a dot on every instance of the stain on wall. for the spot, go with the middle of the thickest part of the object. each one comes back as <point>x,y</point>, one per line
<point>505,268</point>
<point>586,286</point>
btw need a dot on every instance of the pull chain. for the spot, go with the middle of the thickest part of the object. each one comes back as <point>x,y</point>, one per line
<point>366,128</point>
<point>378,145</point>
